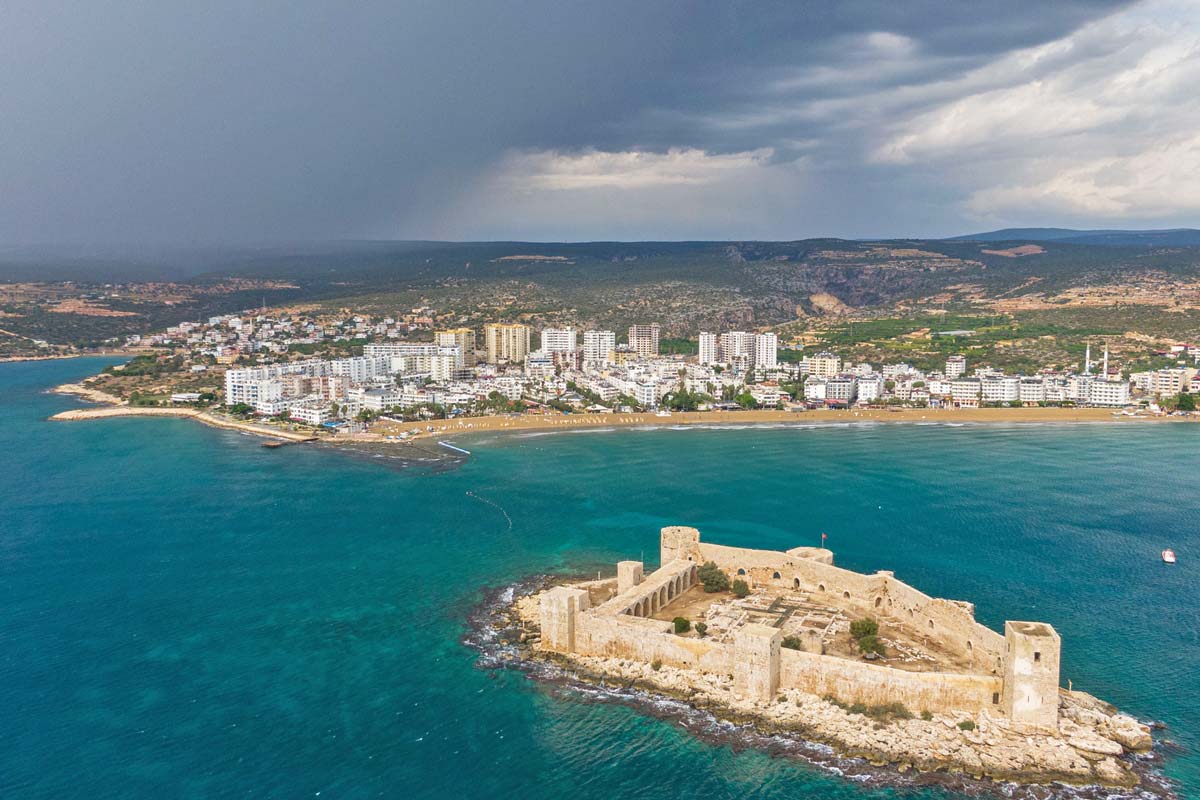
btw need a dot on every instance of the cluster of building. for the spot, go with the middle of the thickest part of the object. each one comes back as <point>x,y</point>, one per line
<point>830,381</point>
<point>592,370</point>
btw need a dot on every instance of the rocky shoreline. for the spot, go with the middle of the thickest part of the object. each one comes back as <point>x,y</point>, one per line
<point>499,630</point>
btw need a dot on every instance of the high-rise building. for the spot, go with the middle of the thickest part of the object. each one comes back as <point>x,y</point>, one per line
<point>955,366</point>
<point>708,348</point>
<point>505,342</point>
<point>766,351</point>
<point>598,347</point>
<point>735,344</point>
<point>823,365</point>
<point>560,340</point>
<point>644,339</point>
<point>464,338</point>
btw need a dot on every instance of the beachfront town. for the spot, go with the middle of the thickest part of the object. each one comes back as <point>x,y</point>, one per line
<point>457,371</point>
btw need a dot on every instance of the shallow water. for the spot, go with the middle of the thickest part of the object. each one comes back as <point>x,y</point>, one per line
<point>188,614</point>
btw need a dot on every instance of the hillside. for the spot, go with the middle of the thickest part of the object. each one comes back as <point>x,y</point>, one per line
<point>797,286</point>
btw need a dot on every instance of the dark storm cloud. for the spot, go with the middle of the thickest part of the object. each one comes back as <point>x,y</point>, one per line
<point>304,120</point>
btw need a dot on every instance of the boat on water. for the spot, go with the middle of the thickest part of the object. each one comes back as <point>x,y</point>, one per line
<point>1168,556</point>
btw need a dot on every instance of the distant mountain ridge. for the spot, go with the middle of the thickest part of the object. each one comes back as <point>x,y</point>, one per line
<point>1171,237</point>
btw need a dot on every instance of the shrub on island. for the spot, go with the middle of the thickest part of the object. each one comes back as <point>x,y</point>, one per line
<point>682,625</point>
<point>741,588</point>
<point>701,629</point>
<point>792,643</point>
<point>712,577</point>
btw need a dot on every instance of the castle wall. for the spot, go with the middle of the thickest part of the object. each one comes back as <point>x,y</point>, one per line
<point>870,684</point>
<point>648,640</point>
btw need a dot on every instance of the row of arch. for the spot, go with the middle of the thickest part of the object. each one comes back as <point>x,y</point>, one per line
<point>650,604</point>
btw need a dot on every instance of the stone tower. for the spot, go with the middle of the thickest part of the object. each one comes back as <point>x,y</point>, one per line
<point>557,611</point>
<point>1031,662</point>
<point>756,662</point>
<point>678,541</point>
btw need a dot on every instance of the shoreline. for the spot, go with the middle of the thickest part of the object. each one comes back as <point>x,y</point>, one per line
<point>583,422</point>
<point>112,406</point>
<point>499,631</point>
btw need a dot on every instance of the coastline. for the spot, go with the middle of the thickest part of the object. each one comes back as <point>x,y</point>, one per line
<point>112,406</point>
<point>575,422</point>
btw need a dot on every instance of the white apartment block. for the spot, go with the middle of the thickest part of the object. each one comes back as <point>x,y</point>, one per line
<point>841,389</point>
<point>870,388</point>
<point>1031,391</point>
<point>956,366</point>
<point>598,347</point>
<point>766,351</point>
<point>708,349</point>
<point>1000,389</point>
<point>965,392</point>
<point>560,340</point>
<point>733,345</point>
<point>1108,393</point>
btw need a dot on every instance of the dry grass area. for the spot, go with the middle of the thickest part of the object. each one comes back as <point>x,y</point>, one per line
<point>87,309</point>
<point>1017,252</point>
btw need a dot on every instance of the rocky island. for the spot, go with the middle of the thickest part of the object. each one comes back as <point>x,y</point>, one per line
<point>788,644</point>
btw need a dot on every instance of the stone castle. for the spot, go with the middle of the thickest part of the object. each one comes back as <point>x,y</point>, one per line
<point>938,658</point>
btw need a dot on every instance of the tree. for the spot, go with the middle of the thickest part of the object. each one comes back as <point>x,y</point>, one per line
<point>701,629</point>
<point>870,644</point>
<point>792,643</point>
<point>712,577</point>
<point>863,627</point>
<point>740,588</point>
<point>682,625</point>
<point>1186,402</point>
<point>241,409</point>
<point>746,400</point>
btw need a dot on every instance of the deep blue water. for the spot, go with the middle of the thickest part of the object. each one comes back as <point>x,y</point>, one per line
<point>187,614</point>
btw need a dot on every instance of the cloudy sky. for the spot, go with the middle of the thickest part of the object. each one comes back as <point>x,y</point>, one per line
<point>562,120</point>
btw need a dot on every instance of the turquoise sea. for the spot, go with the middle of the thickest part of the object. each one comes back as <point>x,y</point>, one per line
<point>186,614</point>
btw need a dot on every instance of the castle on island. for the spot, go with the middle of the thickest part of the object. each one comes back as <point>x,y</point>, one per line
<point>792,630</point>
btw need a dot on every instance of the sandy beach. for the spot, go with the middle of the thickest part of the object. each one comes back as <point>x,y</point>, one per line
<point>908,415</point>
<point>386,431</point>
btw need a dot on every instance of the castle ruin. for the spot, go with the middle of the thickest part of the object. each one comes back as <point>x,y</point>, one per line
<point>939,658</point>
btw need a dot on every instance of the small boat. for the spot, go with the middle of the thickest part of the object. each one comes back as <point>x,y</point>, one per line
<point>1168,556</point>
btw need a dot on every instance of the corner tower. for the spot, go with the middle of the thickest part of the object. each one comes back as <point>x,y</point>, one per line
<point>1032,651</point>
<point>677,541</point>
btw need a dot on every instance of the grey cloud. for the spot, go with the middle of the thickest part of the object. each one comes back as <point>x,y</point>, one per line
<point>313,120</point>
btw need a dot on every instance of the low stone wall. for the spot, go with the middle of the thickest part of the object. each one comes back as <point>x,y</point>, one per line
<point>870,684</point>
<point>649,640</point>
